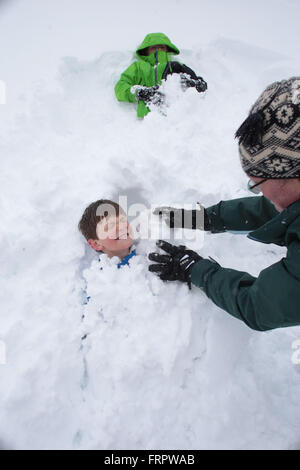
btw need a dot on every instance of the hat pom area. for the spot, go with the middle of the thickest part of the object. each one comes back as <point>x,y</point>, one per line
<point>251,131</point>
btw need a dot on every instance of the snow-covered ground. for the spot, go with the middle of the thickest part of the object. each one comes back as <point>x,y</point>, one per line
<point>160,366</point>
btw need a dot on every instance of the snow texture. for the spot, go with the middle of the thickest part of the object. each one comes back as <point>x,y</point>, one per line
<point>143,364</point>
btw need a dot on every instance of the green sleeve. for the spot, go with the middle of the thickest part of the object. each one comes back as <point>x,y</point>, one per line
<point>128,78</point>
<point>247,213</point>
<point>272,300</point>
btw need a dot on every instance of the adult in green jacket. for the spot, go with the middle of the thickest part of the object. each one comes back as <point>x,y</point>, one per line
<point>270,156</point>
<point>140,81</point>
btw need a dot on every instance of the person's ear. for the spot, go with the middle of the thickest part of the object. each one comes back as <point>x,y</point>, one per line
<point>95,244</point>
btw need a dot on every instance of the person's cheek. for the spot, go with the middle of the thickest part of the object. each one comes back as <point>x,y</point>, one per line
<point>111,235</point>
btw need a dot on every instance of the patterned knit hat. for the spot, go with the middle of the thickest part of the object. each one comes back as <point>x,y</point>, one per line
<point>269,139</point>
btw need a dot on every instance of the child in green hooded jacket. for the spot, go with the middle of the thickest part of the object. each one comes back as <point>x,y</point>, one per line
<point>140,81</point>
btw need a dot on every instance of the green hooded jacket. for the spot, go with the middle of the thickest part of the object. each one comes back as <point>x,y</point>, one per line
<point>143,71</point>
<point>272,300</point>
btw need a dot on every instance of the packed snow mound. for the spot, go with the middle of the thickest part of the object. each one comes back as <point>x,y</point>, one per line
<point>143,364</point>
<point>124,304</point>
<point>136,344</point>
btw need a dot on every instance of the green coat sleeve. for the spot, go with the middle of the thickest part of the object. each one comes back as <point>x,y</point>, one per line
<point>272,300</point>
<point>247,213</point>
<point>128,78</point>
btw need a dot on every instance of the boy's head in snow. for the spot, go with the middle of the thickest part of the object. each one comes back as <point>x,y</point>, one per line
<point>156,42</point>
<point>105,226</point>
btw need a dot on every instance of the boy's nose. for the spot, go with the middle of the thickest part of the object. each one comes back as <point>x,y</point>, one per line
<point>122,229</point>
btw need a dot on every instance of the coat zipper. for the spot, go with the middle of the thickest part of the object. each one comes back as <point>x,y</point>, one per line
<point>155,67</point>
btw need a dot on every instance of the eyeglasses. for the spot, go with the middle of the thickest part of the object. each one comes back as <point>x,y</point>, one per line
<point>256,187</point>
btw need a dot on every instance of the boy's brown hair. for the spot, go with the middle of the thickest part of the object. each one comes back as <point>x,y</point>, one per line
<point>94,213</point>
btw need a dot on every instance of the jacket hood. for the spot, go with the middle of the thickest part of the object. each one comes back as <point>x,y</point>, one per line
<point>153,39</point>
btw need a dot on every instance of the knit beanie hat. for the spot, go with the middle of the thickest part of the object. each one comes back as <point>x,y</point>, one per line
<point>269,139</point>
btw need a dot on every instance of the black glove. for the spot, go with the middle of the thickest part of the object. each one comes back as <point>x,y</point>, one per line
<point>183,218</point>
<point>158,98</point>
<point>175,266</point>
<point>201,85</point>
<point>149,94</point>
<point>198,83</point>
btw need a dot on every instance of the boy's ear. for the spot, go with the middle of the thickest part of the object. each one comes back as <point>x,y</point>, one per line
<point>95,244</point>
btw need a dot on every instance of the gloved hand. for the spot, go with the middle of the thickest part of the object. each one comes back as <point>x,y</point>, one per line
<point>176,265</point>
<point>183,218</point>
<point>149,94</point>
<point>188,82</point>
<point>158,98</point>
<point>201,85</point>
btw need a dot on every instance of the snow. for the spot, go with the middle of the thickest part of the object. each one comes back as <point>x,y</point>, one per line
<point>160,366</point>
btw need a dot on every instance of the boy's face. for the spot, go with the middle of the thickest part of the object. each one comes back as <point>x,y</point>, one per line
<point>114,235</point>
<point>158,47</point>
